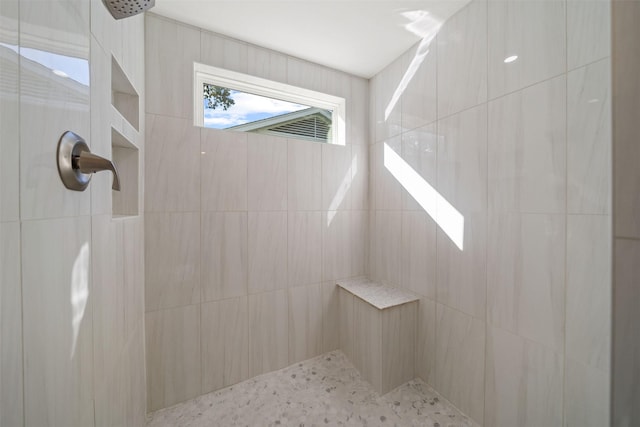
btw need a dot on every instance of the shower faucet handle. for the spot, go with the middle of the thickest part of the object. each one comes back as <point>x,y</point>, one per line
<point>76,163</point>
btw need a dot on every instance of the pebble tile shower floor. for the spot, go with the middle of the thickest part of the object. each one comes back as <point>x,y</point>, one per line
<point>324,391</point>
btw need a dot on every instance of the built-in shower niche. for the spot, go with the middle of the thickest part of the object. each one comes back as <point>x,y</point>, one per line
<point>123,96</point>
<point>126,158</point>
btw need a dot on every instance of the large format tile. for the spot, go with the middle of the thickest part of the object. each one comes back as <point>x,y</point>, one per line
<point>589,139</point>
<point>535,31</point>
<point>171,55</point>
<point>58,322</point>
<point>386,266</point>
<point>223,52</point>
<point>172,259</point>
<point>387,191</point>
<point>419,95</point>
<point>173,356</point>
<point>172,165</point>
<point>418,156</point>
<point>305,322</point>
<point>525,278</point>
<point>588,323</point>
<point>586,395</point>
<point>398,335</point>
<point>268,336</point>
<point>267,173</point>
<point>223,185</point>
<point>387,101</point>
<point>358,112</point>
<point>418,253</point>
<point>224,255</point>
<point>225,343</point>
<point>59,33</point>
<point>336,245</point>
<point>337,172</point>
<point>367,342</point>
<point>331,320</point>
<point>626,346</point>
<point>359,189</point>
<point>459,367</point>
<point>524,383</point>
<point>588,31</point>
<point>462,59</point>
<point>11,404</point>
<point>9,113</point>
<point>267,250</point>
<point>304,175</point>
<point>359,243</point>
<point>304,261</point>
<point>426,341</point>
<point>462,274</point>
<point>527,149</point>
<point>266,64</point>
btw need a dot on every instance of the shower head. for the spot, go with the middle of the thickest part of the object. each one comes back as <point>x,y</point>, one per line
<point>126,8</point>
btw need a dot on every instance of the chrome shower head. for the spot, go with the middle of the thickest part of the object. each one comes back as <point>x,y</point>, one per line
<point>126,8</point>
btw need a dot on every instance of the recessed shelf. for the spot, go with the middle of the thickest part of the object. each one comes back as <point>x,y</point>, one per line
<point>126,158</point>
<point>123,96</point>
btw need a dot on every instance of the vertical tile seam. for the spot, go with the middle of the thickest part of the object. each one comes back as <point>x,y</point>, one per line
<point>486,243</point>
<point>566,209</point>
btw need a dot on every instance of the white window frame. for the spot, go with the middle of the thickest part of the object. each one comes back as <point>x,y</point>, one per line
<point>259,86</point>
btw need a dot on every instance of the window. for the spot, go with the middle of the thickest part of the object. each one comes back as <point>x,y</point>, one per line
<point>234,101</point>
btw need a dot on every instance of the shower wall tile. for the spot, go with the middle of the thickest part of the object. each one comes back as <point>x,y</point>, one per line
<point>172,166</point>
<point>267,250</point>
<point>268,336</point>
<point>337,171</point>
<point>304,264</point>
<point>11,386</point>
<point>307,75</point>
<point>586,395</point>
<point>418,253</point>
<point>305,322</point>
<point>387,101</point>
<point>170,51</point>
<point>225,343</point>
<point>426,340</point>
<point>462,160</point>
<point>266,64</point>
<point>172,271</point>
<point>589,139</point>
<point>387,190</point>
<point>588,323</point>
<point>419,155</point>
<point>9,114</point>
<point>267,164</point>
<point>462,274</point>
<point>359,189</point>
<point>173,356</point>
<point>58,326</point>
<point>359,233</point>
<point>223,185</point>
<point>224,255</point>
<point>418,100</point>
<point>462,60</point>
<point>524,382</point>
<point>304,175</point>
<point>336,245</point>
<point>525,277</point>
<point>331,317</point>
<point>108,296</point>
<point>535,31</point>
<point>588,31</point>
<point>358,112</point>
<point>133,264</point>
<point>459,366</point>
<point>388,235</point>
<point>223,52</point>
<point>527,148</point>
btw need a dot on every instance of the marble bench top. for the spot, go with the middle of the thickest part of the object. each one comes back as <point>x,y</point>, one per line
<point>379,296</point>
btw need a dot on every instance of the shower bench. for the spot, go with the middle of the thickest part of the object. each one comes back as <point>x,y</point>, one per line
<point>378,331</point>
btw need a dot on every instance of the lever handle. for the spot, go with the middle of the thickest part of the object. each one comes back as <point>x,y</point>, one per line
<point>76,163</point>
<point>88,162</point>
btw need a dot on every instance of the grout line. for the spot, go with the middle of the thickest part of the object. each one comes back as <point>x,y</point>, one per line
<point>486,247</point>
<point>566,208</point>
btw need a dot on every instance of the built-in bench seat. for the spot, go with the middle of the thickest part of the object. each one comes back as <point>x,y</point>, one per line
<point>377,331</point>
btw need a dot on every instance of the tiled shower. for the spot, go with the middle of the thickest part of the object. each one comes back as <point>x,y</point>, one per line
<point>224,262</point>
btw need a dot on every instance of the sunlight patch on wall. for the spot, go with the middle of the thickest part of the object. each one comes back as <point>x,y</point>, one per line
<point>443,213</point>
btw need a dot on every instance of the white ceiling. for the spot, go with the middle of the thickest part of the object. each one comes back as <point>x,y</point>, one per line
<point>356,36</point>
